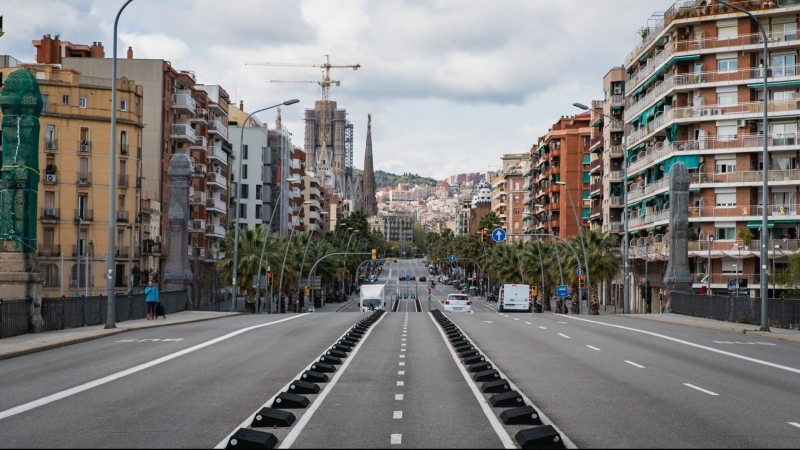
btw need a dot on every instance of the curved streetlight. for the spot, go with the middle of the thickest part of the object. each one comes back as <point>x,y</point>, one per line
<point>238,196</point>
<point>626,288</point>
<point>583,247</point>
<point>264,246</point>
<point>111,311</point>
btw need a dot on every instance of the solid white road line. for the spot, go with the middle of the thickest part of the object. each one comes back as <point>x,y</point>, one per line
<point>93,384</point>
<point>634,364</point>
<point>563,335</point>
<point>398,415</point>
<point>692,344</point>
<point>593,348</point>
<point>493,420</point>
<point>700,389</point>
<point>398,396</point>
<point>397,439</point>
<point>292,436</point>
<point>794,424</point>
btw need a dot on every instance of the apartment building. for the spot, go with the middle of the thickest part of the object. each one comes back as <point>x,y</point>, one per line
<point>250,144</point>
<point>398,227</point>
<point>561,161</point>
<point>74,189</point>
<point>694,94</point>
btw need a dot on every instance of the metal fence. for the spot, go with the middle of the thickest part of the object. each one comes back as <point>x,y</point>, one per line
<point>783,313</point>
<point>60,313</point>
<point>14,317</point>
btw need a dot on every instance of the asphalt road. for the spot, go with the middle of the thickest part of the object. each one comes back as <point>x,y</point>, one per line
<point>605,381</point>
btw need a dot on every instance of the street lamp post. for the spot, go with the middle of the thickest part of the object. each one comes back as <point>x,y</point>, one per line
<point>583,247</point>
<point>625,236</point>
<point>285,254</point>
<point>710,243</point>
<point>774,257</point>
<point>238,196</point>
<point>264,248</point>
<point>765,184</point>
<point>344,262</point>
<point>300,276</point>
<point>111,312</point>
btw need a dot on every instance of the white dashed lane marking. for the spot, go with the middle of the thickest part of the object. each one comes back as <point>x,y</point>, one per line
<point>634,364</point>
<point>401,372</point>
<point>398,415</point>
<point>398,396</point>
<point>528,323</point>
<point>402,363</point>
<point>593,348</point>
<point>700,389</point>
<point>544,328</point>
<point>794,424</point>
<point>397,439</point>
<point>401,383</point>
<point>563,335</point>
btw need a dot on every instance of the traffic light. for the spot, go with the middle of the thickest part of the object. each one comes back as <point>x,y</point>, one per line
<point>581,282</point>
<point>269,278</point>
<point>374,253</point>
<point>483,235</point>
<point>307,293</point>
<point>534,291</point>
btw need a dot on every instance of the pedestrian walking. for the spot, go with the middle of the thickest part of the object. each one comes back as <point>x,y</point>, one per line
<point>151,299</point>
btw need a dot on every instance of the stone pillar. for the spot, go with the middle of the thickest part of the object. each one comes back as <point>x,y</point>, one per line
<point>178,273</point>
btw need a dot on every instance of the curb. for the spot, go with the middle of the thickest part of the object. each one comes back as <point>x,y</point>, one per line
<point>99,336</point>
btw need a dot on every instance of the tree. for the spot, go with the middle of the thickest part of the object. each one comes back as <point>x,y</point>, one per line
<point>250,244</point>
<point>790,276</point>
<point>489,221</point>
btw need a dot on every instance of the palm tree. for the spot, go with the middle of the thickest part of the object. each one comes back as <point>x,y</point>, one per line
<point>604,261</point>
<point>250,244</point>
<point>489,221</point>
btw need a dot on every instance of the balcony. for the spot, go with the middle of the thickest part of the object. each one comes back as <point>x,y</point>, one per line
<point>199,171</point>
<point>617,100</point>
<point>49,214</point>
<point>198,198</point>
<point>50,145</point>
<point>216,181</point>
<point>85,215</point>
<point>50,175</point>
<point>216,127</point>
<point>615,202</point>
<point>122,181</point>
<point>755,177</point>
<point>201,116</point>
<point>83,252</point>
<point>596,165</point>
<point>216,154</point>
<point>122,251</point>
<point>595,187</point>
<point>637,191</point>
<point>215,231</point>
<point>84,147</point>
<point>596,210</point>
<point>749,212</point>
<point>616,227</point>
<point>122,216</point>
<point>596,142</point>
<point>49,250</point>
<point>196,252</point>
<point>648,219</point>
<point>184,103</point>
<point>197,226</point>
<point>200,144</point>
<point>615,151</point>
<point>215,205</point>
<point>182,132</point>
<point>84,179</point>
<point>151,249</point>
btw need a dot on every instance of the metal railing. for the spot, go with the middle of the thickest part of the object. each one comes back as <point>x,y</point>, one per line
<point>50,214</point>
<point>755,176</point>
<point>745,212</point>
<point>648,219</point>
<point>182,129</point>
<point>49,249</point>
<point>783,313</point>
<point>84,179</point>
<point>15,317</point>
<point>184,100</point>
<point>216,125</point>
<point>640,191</point>
<point>86,215</point>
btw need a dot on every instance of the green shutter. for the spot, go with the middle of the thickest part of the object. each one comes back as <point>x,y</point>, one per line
<point>586,195</point>
<point>586,177</point>
<point>586,213</point>
<point>587,159</point>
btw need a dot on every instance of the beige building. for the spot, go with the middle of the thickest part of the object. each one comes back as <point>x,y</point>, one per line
<point>75,177</point>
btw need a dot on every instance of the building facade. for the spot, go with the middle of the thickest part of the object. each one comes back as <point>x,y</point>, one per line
<point>74,188</point>
<point>694,94</point>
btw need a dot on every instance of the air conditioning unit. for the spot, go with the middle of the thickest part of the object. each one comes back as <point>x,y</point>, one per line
<point>741,123</point>
<point>122,215</point>
<point>617,90</point>
<point>84,146</point>
<point>50,212</point>
<point>717,112</point>
<point>73,283</point>
<point>50,145</point>
<point>50,178</point>
<point>83,181</point>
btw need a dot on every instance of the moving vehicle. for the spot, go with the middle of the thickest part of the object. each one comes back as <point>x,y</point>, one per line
<point>413,278</point>
<point>371,298</point>
<point>423,279</point>
<point>515,297</point>
<point>457,303</point>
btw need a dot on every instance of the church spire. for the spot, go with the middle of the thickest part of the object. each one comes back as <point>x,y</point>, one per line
<point>370,206</point>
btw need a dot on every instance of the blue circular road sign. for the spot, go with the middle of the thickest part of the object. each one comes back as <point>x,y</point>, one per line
<point>452,258</point>
<point>580,271</point>
<point>499,235</point>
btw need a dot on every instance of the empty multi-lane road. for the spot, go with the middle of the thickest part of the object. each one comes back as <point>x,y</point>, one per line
<point>603,381</point>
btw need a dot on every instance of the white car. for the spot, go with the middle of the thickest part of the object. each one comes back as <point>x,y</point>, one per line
<point>457,303</point>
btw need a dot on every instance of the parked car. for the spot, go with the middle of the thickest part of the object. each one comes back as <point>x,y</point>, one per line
<point>423,279</point>
<point>413,278</point>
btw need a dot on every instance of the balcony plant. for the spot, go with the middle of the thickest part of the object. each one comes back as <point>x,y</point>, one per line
<point>746,236</point>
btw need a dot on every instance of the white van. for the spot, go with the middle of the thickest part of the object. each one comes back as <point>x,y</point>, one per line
<point>372,297</point>
<point>514,297</point>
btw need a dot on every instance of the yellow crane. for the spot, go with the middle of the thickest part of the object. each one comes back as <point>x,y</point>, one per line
<point>326,84</point>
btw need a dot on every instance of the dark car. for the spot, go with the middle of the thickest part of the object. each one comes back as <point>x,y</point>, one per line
<point>423,279</point>
<point>402,278</point>
<point>413,278</point>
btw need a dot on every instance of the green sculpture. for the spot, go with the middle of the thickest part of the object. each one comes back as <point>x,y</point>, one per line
<point>21,103</point>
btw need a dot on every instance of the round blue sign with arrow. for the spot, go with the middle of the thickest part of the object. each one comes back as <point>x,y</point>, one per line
<point>580,271</point>
<point>499,235</point>
<point>452,258</point>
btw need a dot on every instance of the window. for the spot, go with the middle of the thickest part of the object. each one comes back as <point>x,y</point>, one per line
<point>258,191</point>
<point>725,165</point>
<point>783,163</point>
<point>784,133</point>
<point>65,99</point>
<point>782,202</point>
<point>727,96</point>
<point>725,198</point>
<point>244,171</point>
<point>82,101</point>
<point>516,225</point>
<point>123,105</point>
<point>782,95</point>
<point>729,265</point>
<point>242,211</point>
<point>245,191</point>
<point>726,132</point>
<point>244,150</point>
<point>784,65</point>
<point>725,232</point>
<point>727,29</point>
<point>516,212</point>
<point>727,65</point>
<point>49,199</point>
<point>785,31</point>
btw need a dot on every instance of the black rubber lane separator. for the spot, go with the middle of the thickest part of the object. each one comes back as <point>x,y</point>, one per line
<point>336,353</point>
<point>486,375</point>
<point>272,418</point>
<point>314,377</point>
<point>495,387</point>
<point>303,387</point>
<point>540,437</point>
<point>247,438</point>
<point>323,367</point>
<point>286,400</point>
<point>475,359</point>
<point>508,399</point>
<point>524,415</point>
<point>480,367</point>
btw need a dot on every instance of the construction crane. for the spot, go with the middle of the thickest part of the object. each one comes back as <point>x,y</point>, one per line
<point>326,84</point>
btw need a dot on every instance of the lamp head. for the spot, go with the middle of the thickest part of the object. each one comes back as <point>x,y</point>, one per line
<point>291,102</point>
<point>580,106</point>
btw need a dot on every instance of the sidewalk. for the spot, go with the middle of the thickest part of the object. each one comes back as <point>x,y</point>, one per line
<point>32,343</point>
<point>744,328</point>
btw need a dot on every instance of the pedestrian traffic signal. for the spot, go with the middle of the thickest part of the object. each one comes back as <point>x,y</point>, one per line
<point>269,278</point>
<point>374,253</point>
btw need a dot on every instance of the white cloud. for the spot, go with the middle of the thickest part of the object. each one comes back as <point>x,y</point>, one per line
<point>452,85</point>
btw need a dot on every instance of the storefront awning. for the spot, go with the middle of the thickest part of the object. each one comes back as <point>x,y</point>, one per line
<point>597,122</point>
<point>757,225</point>
<point>775,84</point>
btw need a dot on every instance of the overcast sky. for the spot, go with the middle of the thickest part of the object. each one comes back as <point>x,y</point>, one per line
<point>451,84</point>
